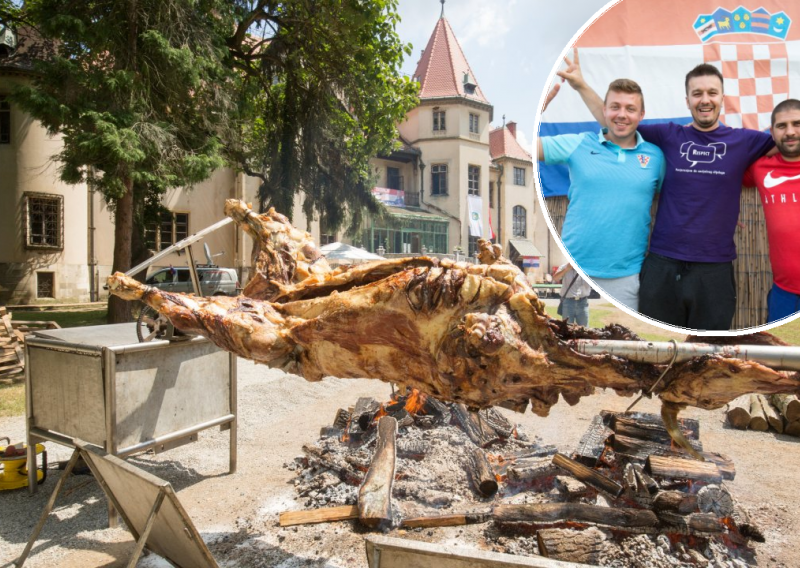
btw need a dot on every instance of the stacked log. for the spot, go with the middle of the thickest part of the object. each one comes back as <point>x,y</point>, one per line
<point>12,356</point>
<point>779,413</point>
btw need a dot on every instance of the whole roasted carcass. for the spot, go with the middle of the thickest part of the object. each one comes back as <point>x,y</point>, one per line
<point>476,334</point>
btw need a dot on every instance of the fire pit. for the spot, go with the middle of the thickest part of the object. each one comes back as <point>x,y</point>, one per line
<point>626,495</point>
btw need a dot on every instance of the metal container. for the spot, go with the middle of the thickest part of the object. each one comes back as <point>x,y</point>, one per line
<point>100,385</point>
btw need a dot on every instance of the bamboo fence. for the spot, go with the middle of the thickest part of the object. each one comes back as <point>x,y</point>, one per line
<point>752,268</point>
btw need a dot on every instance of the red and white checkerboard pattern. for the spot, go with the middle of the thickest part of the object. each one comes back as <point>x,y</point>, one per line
<point>756,79</point>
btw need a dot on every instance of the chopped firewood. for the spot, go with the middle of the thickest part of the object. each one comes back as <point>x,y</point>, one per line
<point>342,418</point>
<point>745,525</point>
<point>498,422</point>
<point>411,449</point>
<point>680,468</point>
<point>375,494</point>
<point>645,430</point>
<point>481,474</point>
<point>342,513</point>
<point>792,428</point>
<point>478,430</point>
<point>788,404</point>
<point>454,520</point>
<point>346,473</point>
<point>758,420</point>
<point>593,442</point>
<point>533,452</point>
<point>646,482</point>
<point>739,412</point>
<point>568,545</point>
<point>649,421</point>
<point>587,475</point>
<point>715,499</point>
<point>570,487</point>
<point>553,513</point>
<point>675,502</point>
<point>364,412</point>
<point>532,471</point>
<point>330,432</point>
<point>773,416</point>
<point>707,523</point>
<point>640,450</point>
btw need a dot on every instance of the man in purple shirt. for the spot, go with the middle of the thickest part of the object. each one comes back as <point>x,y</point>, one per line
<point>687,279</point>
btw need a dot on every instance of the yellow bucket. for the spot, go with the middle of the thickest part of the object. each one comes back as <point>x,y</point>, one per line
<point>13,469</point>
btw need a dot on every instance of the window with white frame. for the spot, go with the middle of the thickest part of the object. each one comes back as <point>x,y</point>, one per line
<point>438,121</point>
<point>171,228</point>
<point>439,179</point>
<point>474,124</point>
<point>519,176</point>
<point>519,221</point>
<point>44,221</point>
<point>5,121</point>
<point>474,180</point>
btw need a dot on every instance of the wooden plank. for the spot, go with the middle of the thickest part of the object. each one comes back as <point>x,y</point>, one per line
<point>454,520</point>
<point>326,515</point>
<point>375,494</point>
<point>689,426</point>
<point>675,502</point>
<point>679,468</point>
<point>551,513</point>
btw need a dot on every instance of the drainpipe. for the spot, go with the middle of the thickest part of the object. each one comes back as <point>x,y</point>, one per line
<point>440,210</point>
<point>92,258</point>
<point>500,207</point>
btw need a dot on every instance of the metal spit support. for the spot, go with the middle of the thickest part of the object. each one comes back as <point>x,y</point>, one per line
<point>187,244</point>
<point>661,352</point>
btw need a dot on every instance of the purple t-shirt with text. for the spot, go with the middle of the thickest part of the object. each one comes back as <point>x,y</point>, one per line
<point>699,204</point>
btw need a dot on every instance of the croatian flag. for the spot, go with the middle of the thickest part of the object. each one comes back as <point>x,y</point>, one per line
<point>656,42</point>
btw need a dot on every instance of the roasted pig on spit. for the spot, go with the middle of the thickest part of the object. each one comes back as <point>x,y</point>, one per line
<point>476,334</point>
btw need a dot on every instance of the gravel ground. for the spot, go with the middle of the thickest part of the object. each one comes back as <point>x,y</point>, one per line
<point>237,515</point>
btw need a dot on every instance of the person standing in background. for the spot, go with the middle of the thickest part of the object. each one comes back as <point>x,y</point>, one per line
<point>574,295</point>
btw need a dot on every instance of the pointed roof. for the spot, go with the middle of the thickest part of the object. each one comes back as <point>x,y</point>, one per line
<point>441,69</point>
<point>503,144</point>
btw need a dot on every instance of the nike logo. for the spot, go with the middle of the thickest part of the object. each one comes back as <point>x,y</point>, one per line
<point>593,152</point>
<point>770,182</point>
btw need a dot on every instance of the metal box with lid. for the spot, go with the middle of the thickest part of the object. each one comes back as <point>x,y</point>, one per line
<point>102,386</point>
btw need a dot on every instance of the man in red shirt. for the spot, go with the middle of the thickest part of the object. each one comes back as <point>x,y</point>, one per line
<point>778,181</point>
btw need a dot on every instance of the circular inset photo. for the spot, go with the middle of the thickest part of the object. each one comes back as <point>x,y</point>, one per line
<point>669,161</point>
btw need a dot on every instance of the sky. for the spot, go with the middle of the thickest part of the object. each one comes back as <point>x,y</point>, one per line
<point>511,46</point>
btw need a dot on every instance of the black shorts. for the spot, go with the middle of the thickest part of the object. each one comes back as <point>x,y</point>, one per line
<point>694,295</point>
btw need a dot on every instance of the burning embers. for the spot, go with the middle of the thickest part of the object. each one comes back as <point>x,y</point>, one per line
<point>625,497</point>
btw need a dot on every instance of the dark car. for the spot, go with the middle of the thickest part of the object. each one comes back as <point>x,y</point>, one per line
<point>214,281</point>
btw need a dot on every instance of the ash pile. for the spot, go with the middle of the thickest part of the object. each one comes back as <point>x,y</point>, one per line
<point>626,496</point>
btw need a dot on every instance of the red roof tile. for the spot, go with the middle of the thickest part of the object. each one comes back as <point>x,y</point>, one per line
<point>504,144</point>
<point>441,68</point>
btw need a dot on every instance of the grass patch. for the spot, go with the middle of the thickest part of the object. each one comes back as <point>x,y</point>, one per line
<point>789,332</point>
<point>12,399</point>
<point>73,318</point>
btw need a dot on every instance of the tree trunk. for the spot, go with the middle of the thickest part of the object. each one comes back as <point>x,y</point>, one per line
<point>118,309</point>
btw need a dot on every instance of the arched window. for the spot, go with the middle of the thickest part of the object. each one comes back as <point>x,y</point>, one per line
<point>519,223</point>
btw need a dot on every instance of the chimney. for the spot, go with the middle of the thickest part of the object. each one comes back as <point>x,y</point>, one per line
<point>512,128</point>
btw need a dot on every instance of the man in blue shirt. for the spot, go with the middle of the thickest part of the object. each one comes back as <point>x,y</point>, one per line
<point>614,175</point>
<point>687,279</point>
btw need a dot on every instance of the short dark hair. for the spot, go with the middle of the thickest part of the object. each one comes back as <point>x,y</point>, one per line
<point>625,86</point>
<point>703,70</point>
<point>783,106</point>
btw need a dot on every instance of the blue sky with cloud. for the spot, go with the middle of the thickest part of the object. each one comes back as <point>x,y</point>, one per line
<point>511,46</point>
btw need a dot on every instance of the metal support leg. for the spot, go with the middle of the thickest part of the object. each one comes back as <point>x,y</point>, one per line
<point>46,513</point>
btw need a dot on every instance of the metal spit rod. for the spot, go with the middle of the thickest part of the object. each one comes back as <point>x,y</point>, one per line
<point>178,246</point>
<point>774,356</point>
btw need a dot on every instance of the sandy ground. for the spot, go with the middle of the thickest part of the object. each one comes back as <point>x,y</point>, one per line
<point>237,514</point>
